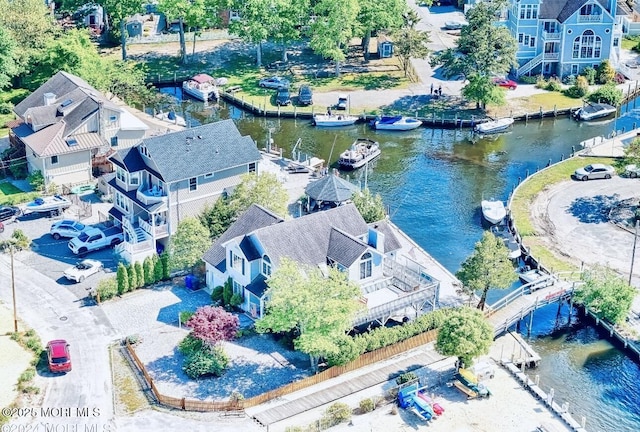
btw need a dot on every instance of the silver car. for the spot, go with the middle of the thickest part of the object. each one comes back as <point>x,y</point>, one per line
<point>594,171</point>
<point>274,82</point>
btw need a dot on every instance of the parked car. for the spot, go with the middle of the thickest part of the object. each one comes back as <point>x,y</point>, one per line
<point>632,170</point>
<point>7,212</point>
<point>83,270</point>
<point>66,228</point>
<point>343,101</point>
<point>594,171</point>
<point>506,83</point>
<point>274,82</point>
<point>59,356</point>
<point>283,97</point>
<point>95,238</point>
<point>454,25</point>
<point>305,95</point>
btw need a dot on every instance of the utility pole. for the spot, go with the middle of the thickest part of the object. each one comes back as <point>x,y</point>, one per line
<point>633,254</point>
<point>13,292</point>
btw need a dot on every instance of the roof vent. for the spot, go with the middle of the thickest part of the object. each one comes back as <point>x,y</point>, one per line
<point>199,136</point>
<point>49,99</point>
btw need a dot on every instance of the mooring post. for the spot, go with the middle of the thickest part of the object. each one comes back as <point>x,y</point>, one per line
<point>530,321</point>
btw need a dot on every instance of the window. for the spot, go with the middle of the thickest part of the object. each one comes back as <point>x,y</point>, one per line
<point>365,265</point>
<point>526,40</point>
<point>54,160</point>
<point>266,266</point>
<point>529,12</point>
<point>252,167</point>
<point>210,175</point>
<point>237,262</point>
<point>237,288</point>
<point>143,150</point>
<point>574,69</point>
<point>532,42</point>
<point>134,180</point>
<point>520,38</point>
<point>590,9</point>
<point>121,174</point>
<point>616,42</point>
<point>587,46</point>
<point>122,202</point>
<point>114,141</point>
<point>193,184</point>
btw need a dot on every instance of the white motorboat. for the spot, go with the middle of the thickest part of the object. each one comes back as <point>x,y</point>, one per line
<point>502,231</point>
<point>594,111</point>
<point>171,117</point>
<point>494,126</point>
<point>396,123</point>
<point>362,150</point>
<point>333,120</point>
<point>201,86</point>
<point>48,204</point>
<point>493,212</point>
<point>535,278</point>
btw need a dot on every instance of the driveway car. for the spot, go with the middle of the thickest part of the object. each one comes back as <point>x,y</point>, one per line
<point>83,270</point>
<point>305,95</point>
<point>454,25</point>
<point>59,356</point>
<point>283,97</point>
<point>66,228</point>
<point>506,83</point>
<point>7,212</point>
<point>632,170</point>
<point>274,82</point>
<point>343,101</point>
<point>594,171</point>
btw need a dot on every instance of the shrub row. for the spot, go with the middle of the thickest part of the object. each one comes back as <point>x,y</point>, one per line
<point>130,277</point>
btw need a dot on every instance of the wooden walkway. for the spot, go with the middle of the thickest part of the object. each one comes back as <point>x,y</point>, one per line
<point>344,388</point>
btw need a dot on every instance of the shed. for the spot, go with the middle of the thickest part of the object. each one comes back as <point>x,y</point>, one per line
<point>385,46</point>
<point>134,25</point>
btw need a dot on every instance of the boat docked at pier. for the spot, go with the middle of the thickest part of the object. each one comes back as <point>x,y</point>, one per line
<point>362,151</point>
<point>502,232</point>
<point>395,123</point>
<point>202,87</point>
<point>171,117</point>
<point>493,212</point>
<point>594,111</point>
<point>333,120</point>
<point>494,126</point>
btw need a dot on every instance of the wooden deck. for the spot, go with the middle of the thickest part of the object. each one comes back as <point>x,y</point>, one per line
<point>344,388</point>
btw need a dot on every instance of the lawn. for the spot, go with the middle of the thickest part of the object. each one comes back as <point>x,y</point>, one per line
<point>13,97</point>
<point>10,195</point>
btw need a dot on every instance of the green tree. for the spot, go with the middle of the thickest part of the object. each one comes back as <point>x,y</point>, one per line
<point>139,274</point>
<point>370,206</point>
<point>379,15</point>
<point>157,268</point>
<point>203,14</point>
<point>8,66</point>
<point>607,294</point>
<point>188,244</point>
<point>227,292</point>
<point>218,217</point>
<point>410,42</point>
<point>607,93</point>
<point>133,277</point>
<point>177,10</point>
<point>122,275</point>
<point>254,24</point>
<point>606,72</point>
<point>483,91</point>
<point>333,28</point>
<point>319,309</point>
<point>487,267</point>
<point>148,271</point>
<point>632,153</point>
<point>165,261</point>
<point>264,189</point>
<point>466,334</point>
<point>118,12</point>
<point>18,241</point>
<point>36,180</point>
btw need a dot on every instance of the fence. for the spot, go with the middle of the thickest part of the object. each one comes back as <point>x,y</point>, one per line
<point>364,360</point>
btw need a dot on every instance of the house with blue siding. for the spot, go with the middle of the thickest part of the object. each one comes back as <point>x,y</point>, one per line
<point>563,37</point>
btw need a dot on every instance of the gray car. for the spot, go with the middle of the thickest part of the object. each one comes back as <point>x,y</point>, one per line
<point>594,171</point>
<point>274,82</point>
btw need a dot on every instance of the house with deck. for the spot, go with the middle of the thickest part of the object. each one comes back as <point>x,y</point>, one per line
<point>255,244</point>
<point>167,178</point>
<point>66,129</point>
<point>563,37</point>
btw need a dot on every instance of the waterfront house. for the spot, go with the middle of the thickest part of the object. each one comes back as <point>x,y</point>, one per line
<point>563,37</point>
<point>167,178</point>
<point>254,245</point>
<point>66,128</point>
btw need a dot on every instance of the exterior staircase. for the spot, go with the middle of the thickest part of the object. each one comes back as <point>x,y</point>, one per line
<point>140,234</point>
<point>530,65</point>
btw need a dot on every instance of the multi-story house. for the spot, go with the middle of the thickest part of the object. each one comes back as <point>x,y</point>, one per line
<point>167,178</point>
<point>66,128</point>
<point>253,248</point>
<point>562,37</point>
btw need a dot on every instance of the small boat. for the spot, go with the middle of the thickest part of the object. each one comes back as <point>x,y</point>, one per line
<point>83,189</point>
<point>535,278</point>
<point>171,117</point>
<point>594,111</point>
<point>201,86</point>
<point>502,231</point>
<point>362,150</point>
<point>493,211</point>
<point>332,120</point>
<point>395,123</point>
<point>47,204</point>
<point>494,126</point>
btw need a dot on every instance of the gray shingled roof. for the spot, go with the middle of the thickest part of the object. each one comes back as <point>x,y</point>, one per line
<point>253,218</point>
<point>331,188</point>
<point>129,159</point>
<point>561,10</point>
<point>391,242</point>
<point>344,248</point>
<point>201,150</point>
<point>306,239</point>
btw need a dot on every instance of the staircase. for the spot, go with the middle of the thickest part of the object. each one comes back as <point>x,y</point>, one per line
<point>530,65</point>
<point>140,234</point>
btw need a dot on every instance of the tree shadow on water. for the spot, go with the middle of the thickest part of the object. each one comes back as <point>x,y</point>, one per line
<point>594,209</point>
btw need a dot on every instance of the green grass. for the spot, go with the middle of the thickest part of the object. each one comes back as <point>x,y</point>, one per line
<point>11,195</point>
<point>526,194</point>
<point>630,42</point>
<point>13,96</point>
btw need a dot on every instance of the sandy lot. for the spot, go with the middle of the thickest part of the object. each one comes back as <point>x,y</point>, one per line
<point>13,358</point>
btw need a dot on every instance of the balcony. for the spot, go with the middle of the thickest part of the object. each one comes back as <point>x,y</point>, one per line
<point>151,195</point>
<point>551,36</point>
<point>589,18</point>
<point>158,231</point>
<point>551,56</point>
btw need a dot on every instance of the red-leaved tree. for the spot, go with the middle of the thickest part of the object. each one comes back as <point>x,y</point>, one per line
<point>213,325</point>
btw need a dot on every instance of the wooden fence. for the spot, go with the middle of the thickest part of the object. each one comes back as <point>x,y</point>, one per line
<point>364,360</point>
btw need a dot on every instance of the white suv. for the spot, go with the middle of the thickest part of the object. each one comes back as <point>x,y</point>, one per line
<point>66,228</point>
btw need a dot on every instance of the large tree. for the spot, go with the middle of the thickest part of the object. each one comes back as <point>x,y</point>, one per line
<point>264,189</point>
<point>8,67</point>
<point>369,205</point>
<point>188,244</point>
<point>410,42</point>
<point>483,91</point>
<point>487,267</point>
<point>606,293</point>
<point>203,14</point>
<point>379,15</point>
<point>317,308</point>
<point>465,334</point>
<point>118,12</point>
<point>254,23</point>
<point>333,28</point>
<point>177,10</point>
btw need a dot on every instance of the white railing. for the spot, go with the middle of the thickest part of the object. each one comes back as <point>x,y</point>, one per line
<point>133,248</point>
<point>551,36</point>
<point>528,66</point>
<point>154,231</point>
<point>589,18</point>
<point>146,226</point>
<point>150,196</point>
<point>551,56</point>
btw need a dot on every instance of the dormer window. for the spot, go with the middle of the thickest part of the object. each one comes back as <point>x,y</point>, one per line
<point>237,262</point>
<point>121,175</point>
<point>134,180</point>
<point>266,266</point>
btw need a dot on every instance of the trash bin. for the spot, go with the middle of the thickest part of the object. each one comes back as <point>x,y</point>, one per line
<point>191,282</point>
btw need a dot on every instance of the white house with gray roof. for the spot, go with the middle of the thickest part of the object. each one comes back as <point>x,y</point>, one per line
<point>167,178</point>
<point>67,128</point>
<point>254,246</point>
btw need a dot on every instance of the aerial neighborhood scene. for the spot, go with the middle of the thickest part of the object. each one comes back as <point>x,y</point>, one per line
<point>296,216</point>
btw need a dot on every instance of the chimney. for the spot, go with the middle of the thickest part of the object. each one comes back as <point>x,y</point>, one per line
<point>49,99</point>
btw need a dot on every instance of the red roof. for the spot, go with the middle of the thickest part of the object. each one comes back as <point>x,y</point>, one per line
<point>202,78</point>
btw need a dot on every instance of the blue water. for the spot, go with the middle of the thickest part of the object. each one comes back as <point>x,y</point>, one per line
<point>433,181</point>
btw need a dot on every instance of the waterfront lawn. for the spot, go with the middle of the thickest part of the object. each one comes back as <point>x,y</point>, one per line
<point>533,103</point>
<point>630,42</point>
<point>525,195</point>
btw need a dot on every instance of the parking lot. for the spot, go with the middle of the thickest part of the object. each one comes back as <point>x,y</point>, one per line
<point>52,257</point>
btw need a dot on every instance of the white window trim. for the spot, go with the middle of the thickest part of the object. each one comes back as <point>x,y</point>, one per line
<point>196,188</point>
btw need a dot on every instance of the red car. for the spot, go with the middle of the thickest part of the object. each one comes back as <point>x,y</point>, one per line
<point>506,83</point>
<point>59,356</point>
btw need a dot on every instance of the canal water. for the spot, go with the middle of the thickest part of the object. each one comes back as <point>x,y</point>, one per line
<point>433,181</point>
